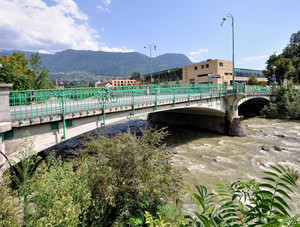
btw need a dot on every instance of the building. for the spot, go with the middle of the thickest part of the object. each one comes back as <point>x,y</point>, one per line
<point>116,83</point>
<point>210,71</point>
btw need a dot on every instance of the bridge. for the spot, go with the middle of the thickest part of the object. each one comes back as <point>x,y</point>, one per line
<point>52,116</point>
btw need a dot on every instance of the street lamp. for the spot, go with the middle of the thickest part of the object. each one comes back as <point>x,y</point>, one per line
<point>150,47</point>
<point>274,68</point>
<point>224,19</point>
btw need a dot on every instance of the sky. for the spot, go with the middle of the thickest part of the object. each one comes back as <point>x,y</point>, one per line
<point>190,27</point>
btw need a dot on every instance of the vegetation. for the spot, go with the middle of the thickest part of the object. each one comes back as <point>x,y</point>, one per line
<point>249,203</point>
<point>253,81</point>
<point>127,180</point>
<point>287,105</point>
<point>24,74</point>
<point>288,63</point>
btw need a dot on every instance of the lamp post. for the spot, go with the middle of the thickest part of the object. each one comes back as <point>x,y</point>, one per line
<point>274,68</point>
<point>150,47</point>
<point>232,24</point>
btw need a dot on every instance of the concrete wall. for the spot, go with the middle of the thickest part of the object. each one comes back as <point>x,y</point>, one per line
<point>5,118</point>
<point>190,120</point>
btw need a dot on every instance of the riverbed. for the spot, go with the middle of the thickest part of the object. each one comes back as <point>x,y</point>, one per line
<point>205,158</point>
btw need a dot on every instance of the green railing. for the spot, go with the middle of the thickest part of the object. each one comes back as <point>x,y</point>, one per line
<point>258,90</point>
<point>54,102</point>
<point>78,101</point>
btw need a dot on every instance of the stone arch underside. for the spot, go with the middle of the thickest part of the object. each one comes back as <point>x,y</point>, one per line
<point>250,107</point>
<point>201,118</point>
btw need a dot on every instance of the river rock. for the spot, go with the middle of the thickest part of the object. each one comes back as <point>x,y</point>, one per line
<point>262,162</point>
<point>213,161</point>
<point>186,170</point>
<point>277,148</point>
<point>280,135</point>
<point>265,148</point>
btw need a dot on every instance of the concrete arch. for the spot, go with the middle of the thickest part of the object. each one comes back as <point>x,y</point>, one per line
<point>251,106</point>
<point>203,118</point>
<point>254,98</point>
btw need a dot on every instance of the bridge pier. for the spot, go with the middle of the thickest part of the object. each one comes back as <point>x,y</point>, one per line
<point>5,119</point>
<point>233,122</point>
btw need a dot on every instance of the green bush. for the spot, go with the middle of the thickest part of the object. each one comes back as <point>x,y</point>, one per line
<point>287,105</point>
<point>250,203</point>
<point>61,196</point>
<point>128,175</point>
<point>9,205</point>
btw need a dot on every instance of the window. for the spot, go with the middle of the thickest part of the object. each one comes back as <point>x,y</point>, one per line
<point>221,64</point>
<point>207,66</point>
<point>196,67</point>
<point>228,74</point>
<point>202,66</point>
<point>202,75</point>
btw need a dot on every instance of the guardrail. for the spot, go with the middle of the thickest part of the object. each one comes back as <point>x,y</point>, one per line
<point>30,104</point>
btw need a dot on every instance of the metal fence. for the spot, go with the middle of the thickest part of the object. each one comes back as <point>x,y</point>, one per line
<point>40,103</point>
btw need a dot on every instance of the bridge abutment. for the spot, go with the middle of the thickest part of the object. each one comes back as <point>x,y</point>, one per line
<point>5,118</point>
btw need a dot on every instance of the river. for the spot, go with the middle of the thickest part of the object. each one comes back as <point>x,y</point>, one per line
<point>205,158</point>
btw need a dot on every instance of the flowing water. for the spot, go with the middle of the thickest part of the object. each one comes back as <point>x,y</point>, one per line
<point>205,158</point>
<point>208,159</point>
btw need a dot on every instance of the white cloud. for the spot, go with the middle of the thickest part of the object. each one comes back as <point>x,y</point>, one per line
<point>32,25</point>
<point>114,49</point>
<point>194,56</point>
<point>198,52</point>
<point>250,59</point>
<point>104,7</point>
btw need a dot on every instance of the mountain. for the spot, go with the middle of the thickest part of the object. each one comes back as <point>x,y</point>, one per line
<point>89,65</point>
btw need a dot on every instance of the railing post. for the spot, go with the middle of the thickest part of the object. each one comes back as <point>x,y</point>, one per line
<point>132,100</point>
<point>236,88</point>
<point>104,96</point>
<point>155,95</point>
<point>174,99</point>
<point>189,101</point>
<point>63,112</point>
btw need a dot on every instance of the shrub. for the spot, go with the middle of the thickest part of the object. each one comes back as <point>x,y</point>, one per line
<point>128,175</point>
<point>250,203</point>
<point>9,206</point>
<point>61,196</point>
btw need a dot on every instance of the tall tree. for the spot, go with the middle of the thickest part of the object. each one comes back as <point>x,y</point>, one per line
<point>284,67</point>
<point>42,73</point>
<point>15,70</point>
<point>287,63</point>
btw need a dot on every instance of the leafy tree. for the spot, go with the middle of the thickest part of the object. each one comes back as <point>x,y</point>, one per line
<point>42,73</point>
<point>252,80</point>
<point>128,175</point>
<point>287,63</point>
<point>287,105</point>
<point>136,76</point>
<point>284,67</point>
<point>15,70</point>
<point>292,51</point>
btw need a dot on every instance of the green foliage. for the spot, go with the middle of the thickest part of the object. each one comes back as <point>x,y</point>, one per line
<point>24,76</point>
<point>15,70</point>
<point>23,173</point>
<point>250,203</point>
<point>252,80</point>
<point>128,175</point>
<point>287,105</point>
<point>42,73</point>
<point>135,76</point>
<point>287,63</point>
<point>62,197</point>
<point>9,205</point>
